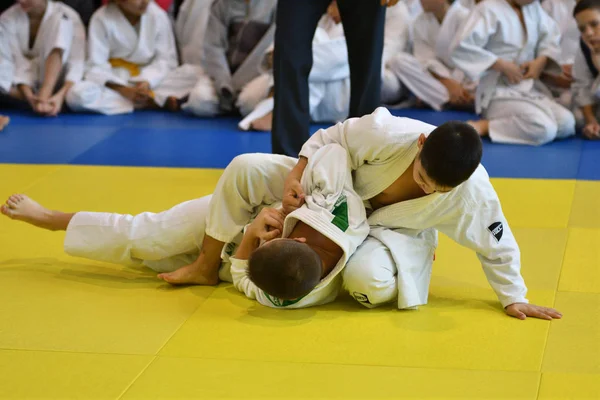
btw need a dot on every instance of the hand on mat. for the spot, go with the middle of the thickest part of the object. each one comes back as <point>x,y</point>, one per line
<point>592,131</point>
<point>512,71</point>
<point>54,104</point>
<point>267,225</point>
<point>389,3</point>
<point>533,69</point>
<point>293,195</point>
<point>524,310</point>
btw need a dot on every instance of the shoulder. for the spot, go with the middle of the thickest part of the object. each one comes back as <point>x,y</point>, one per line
<point>68,12</point>
<point>157,13</point>
<point>11,14</point>
<point>478,192</point>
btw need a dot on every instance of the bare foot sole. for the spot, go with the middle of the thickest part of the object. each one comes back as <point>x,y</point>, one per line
<point>21,208</point>
<point>191,274</point>
<point>3,121</point>
<point>264,123</point>
<point>481,126</point>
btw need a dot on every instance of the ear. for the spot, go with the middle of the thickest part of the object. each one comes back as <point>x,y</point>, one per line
<point>300,240</point>
<point>421,140</point>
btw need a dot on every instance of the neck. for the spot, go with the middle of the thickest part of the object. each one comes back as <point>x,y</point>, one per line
<point>133,19</point>
<point>441,12</point>
<point>38,13</point>
<point>513,4</point>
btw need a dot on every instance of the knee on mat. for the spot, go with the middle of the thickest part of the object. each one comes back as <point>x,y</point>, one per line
<point>540,130</point>
<point>566,122</point>
<point>81,94</point>
<point>368,285</point>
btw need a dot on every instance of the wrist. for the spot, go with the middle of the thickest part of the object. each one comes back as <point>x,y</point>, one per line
<point>498,65</point>
<point>249,243</point>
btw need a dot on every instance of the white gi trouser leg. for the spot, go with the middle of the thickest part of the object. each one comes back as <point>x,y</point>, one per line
<point>203,100</point>
<point>523,120</point>
<point>392,90</point>
<point>89,96</point>
<point>163,241</point>
<point>253,93</point>
<point>178,83</point>
<point>392,265</point>
<point>418,80</point>
<point>249,182</point>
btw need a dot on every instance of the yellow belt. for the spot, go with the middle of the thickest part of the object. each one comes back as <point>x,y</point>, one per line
<point>133,69</point>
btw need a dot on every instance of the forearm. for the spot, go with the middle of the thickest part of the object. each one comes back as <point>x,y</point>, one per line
<point>52,70</point>
<point>247,247</point>
<point>298,170</point>
<point>588,114</point>
<point>25,90</point>
<point>116,87</point>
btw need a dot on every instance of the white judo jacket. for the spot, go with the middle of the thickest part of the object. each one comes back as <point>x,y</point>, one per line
<point>380,148</point>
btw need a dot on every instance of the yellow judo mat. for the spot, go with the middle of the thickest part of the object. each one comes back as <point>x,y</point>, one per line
<point>73,328</point>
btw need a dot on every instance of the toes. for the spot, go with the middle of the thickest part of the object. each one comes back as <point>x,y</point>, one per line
<point>12,203</point>
<point>6,211</point>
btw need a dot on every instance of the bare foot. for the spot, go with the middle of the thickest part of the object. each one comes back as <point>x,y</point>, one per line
<point>481,126</point>
<point>193,274</point>
<point>3,121</point>
<point>21,208</point>
<point>264,123</point>
<point>172,104</point>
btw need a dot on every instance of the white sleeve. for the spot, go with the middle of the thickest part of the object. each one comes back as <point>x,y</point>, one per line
<point>585,88</point>
<point>485,230</point>
<point>468,50</point>
<point>76,60</point>
<point>396,34</point>
<point>241,281</point>
<point>548,6</point>
<point>324,179</point>
<point>24,73</point>
<point>365,138</point>
<point>6,62</point>
<point>424,49</point>
<point>165,58</point>
<point>451,28</point>
<point>99,68</point>
<point>549,39</point>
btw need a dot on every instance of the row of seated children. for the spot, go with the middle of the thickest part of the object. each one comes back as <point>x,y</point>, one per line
<point>517,63</point>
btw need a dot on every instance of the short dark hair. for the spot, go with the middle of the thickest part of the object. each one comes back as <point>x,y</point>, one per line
<point>285,269</point>
<point>451,153</point>
<point>583,5</point>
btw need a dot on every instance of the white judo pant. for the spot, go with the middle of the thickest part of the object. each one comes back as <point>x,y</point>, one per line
<point>329,101</point>
<point>89,96</point>
<point>403,73</point>
<point>531,119</point>
<point>163,242</point>
<point>171,239</point>
<point>392,265</point>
